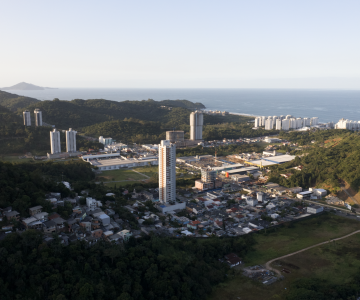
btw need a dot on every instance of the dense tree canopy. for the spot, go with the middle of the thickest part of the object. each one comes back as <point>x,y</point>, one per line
<point>149,268</point>
<point>333,159</point>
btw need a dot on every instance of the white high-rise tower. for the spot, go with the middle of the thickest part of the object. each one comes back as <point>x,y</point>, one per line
<point>55,141</point>
<point>71,140</point>
<point>167,172</point>
<point>196,125</point>
<point>38,117</point>
<point>27,120</point>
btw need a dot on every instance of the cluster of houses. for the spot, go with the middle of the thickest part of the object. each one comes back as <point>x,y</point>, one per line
<point>222,214</point>
<point>209,213</point>
<point>87,222</point>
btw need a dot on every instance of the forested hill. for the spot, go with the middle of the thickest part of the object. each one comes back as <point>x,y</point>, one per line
<point>15,102</point>
<point>7,117</point>
<point>79,113</point>
<point>333,158</point>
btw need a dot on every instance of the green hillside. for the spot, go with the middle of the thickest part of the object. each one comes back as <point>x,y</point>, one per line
<point>80,113</point>
<point>323,165</point>
<point>7,117</point>
<point>15,102</point>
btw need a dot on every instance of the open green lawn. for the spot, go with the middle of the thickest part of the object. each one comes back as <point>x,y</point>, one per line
<point>128,176</point>
<point>304,234</point>
<point>336,262</point>
<point>121,174</point>
<point>151,171</point>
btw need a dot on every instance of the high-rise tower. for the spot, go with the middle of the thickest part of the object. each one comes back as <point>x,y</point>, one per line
<point>27,120</point>
<point>71,140</point>
<point>55,141</point>
<point>196,125</point>
<point>167,172</point>
<point>38,117</point>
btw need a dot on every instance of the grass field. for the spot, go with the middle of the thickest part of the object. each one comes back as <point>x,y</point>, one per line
<point>128,176</point>
<point>335,262</point>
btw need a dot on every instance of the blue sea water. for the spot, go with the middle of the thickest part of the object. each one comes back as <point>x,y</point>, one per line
<point>328,105</point>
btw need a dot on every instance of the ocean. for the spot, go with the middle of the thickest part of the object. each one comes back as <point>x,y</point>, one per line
<point>328,105</point>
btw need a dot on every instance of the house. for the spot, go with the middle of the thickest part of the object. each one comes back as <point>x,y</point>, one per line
<point>95,224</point>
<point>148,195</point>
<point>304,195</point>
<point>71,222</point>
<point>35,210</point>
<point>193,224</point>
<point>60,224</point>
<point>259,224</point>
<point>86,225</point>
<point>91,203</point>
<point>287,175</point>
<point>318,192</point>
<point>49,226</point>
<point>53,216</point>
<point>247,230</point>
<point>107,234</point>
<point>314,209</point>
<point>12,215</point>
<point>104,219</point>
<point>294,190</point>
<point>193,207</point>
<point>32,223</point>
<point>115,237</point>
<point>42,216</point>
<point>97,233</point>
<point>233,260</point>
<point>125,234</point>
<point>251,201</point>
<point>274,216</point>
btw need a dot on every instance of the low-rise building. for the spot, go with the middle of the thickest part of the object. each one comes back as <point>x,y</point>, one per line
<point>233,260</point>
<point>125,234</point>
<point>60,224</point>
<point>32,223</point>
<point>42,216</point>
<point>49,226</point>
<point>12,215</point>
<point>193,224</point>
<point>35,210</point>
<point>314,209</point>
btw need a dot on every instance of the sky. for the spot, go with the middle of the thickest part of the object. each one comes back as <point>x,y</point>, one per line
<point>181,44</point>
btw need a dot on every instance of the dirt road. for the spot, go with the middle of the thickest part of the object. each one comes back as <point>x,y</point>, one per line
<point>267,265</point>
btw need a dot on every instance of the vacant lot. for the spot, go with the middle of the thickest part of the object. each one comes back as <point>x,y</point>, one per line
<point>300,235</point>
<point>336,262</point>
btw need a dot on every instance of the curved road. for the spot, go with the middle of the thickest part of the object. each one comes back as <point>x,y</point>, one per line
<point>267,265</point>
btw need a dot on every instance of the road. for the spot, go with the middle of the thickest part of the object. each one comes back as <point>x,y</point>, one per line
<point>347,193</point>
<point>322,204</point>
<point>267,265</point>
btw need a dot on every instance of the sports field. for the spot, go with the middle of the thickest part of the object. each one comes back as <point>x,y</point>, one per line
<point>128,176</point>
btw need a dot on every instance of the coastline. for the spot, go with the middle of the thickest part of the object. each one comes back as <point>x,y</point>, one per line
<point>242,114</point>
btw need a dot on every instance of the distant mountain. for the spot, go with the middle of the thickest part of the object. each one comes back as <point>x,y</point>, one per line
<point>23,86</point>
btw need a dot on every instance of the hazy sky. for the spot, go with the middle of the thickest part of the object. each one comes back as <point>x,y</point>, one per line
<point>181,44</point>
